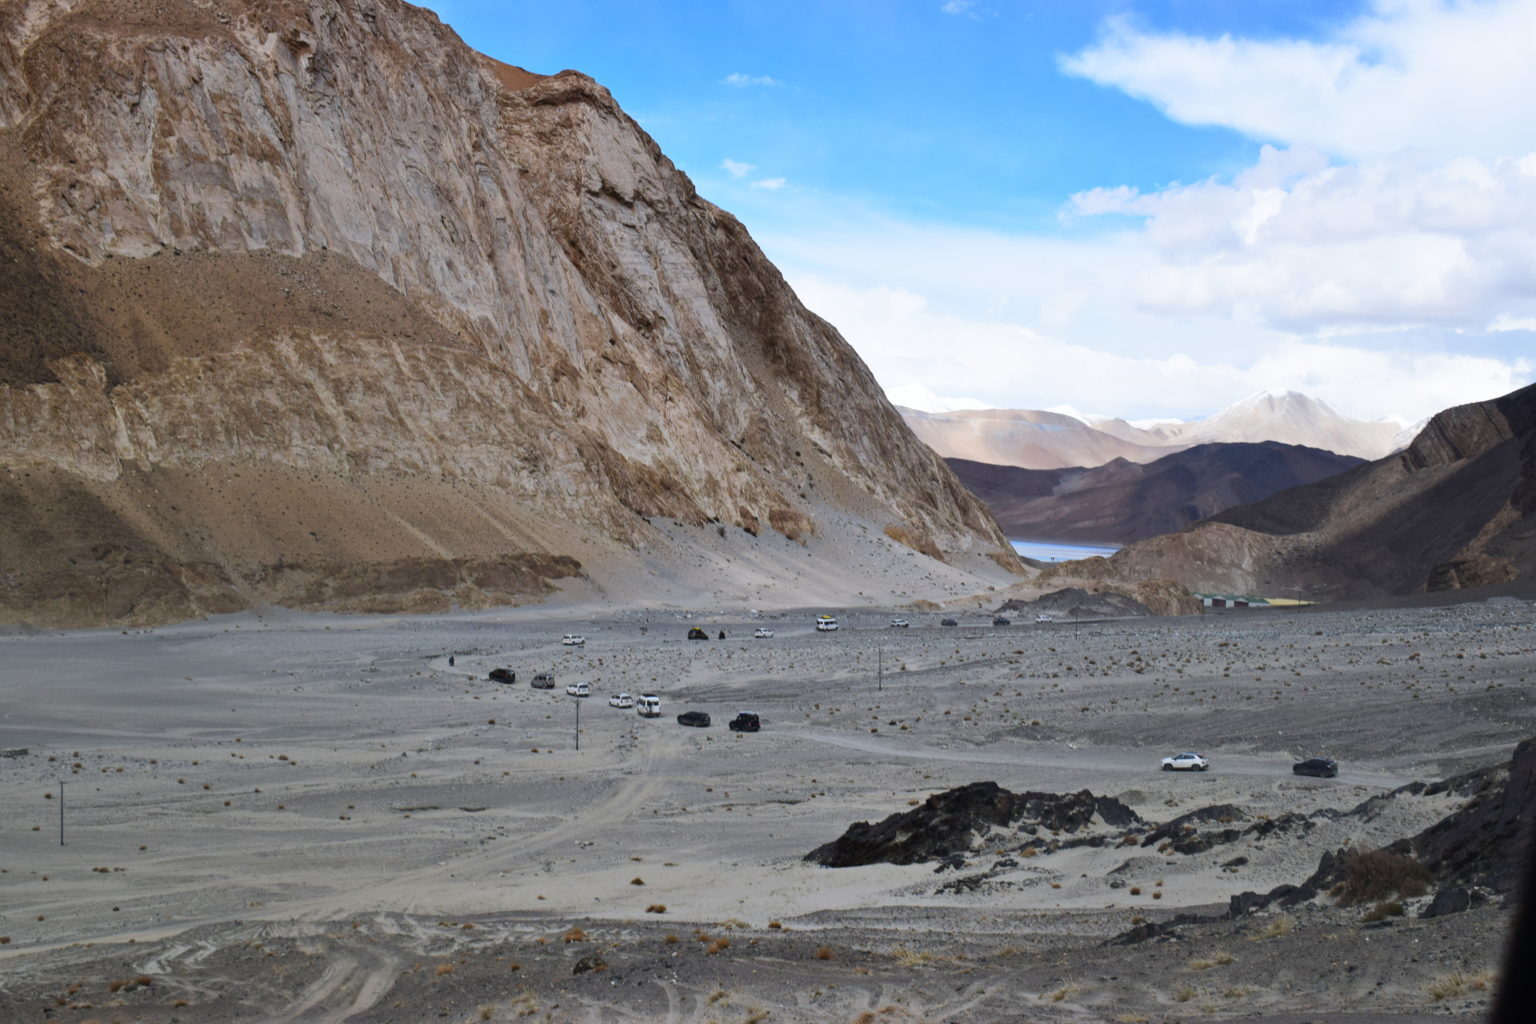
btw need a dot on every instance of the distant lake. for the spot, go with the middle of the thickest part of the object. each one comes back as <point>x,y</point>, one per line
<point>1047,551</point>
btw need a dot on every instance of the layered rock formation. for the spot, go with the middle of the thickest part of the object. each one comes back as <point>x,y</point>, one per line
<point>307,302</point>
<point>1121,501</point>
<point>1456,508</point>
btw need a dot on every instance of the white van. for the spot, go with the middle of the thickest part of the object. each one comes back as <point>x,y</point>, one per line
<point>648,705</point>
<point>825,624</point>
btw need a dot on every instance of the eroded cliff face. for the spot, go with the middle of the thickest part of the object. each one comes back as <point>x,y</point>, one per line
<point>327,242</point>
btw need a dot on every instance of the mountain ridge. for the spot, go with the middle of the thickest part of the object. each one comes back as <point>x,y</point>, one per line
<point>1061,440</point>
<point>1121,501</point>
<point>1455,509</point>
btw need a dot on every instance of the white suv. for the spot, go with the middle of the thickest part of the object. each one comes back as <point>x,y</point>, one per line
<point>621,700</point>
<point>573,640</point>
<point>579,690</point>
<point>1186,762</point>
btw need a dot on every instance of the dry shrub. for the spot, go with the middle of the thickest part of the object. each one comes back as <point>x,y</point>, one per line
<point>670,940</point>
<point>574,935</point>
<point>717,947</point>
<point>656,908</point>
<point>1374,875</point>
<point>1459,983</point>
<point>443,969</point>
<point>824,953</point>
<point>1135,890</point>
<point>1184,993</point>
<point>1029,851</point>
<point>776,925</point>
<point>637,880</point>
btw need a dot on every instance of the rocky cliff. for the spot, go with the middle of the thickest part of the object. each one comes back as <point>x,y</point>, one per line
<point>1456,508</point>
<point>307,302</point>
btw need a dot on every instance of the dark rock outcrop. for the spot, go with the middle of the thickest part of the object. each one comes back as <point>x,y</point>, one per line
<point>1077,603</point>
<point>948,824</point>
<point>1487,842</point>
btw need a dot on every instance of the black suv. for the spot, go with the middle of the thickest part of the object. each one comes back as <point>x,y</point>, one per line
<point>1321,767</point>
<point>746,721</point>
<point>503,675</point>
<point>697,719</point>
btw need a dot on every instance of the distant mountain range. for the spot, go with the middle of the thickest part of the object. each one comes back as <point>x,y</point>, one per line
<point>1455,508</point>
<point>1037,439</point>
<point>1123,501</point>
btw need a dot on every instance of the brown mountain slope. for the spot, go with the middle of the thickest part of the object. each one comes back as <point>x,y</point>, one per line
<point>1457,508</point>
<point>309,303</point>
<point>1120,502</point>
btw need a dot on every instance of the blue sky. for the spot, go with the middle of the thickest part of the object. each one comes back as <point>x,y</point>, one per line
<point>1138,208</point>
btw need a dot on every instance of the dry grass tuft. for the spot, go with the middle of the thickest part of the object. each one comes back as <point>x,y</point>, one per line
<point>574,935</point>
<point>1067,991</point>
<point>443,969</point>
<point>1281,925</point>
<point>1460,983</point>
<point>824,953</point>
<point>637,880</point>
<point>1220,958</point>
<point>1184,993</point>
<point>656,908</point>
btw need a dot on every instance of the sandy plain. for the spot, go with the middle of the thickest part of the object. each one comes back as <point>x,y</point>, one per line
<point>317,818</point>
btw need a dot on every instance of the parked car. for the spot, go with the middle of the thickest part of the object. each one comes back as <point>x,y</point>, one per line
<point>579,690</point>
<point>1186,762</point>
<point>648,705</point>
<point>503,675</point>
<point>899,623</point>
<point>621,700</point>
<point>998,620</point>
<point>746,721</point>
<point>1043,618</point>
<point>573,640</point>
<point>543,681</point>
<point>1321,767</point>
<point>825,623</point>
<point>697,719</point>
<point>697,634</point>
<point>762,633</point>
<point>948,622</point>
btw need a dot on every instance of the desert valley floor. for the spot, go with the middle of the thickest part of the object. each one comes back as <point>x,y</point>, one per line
<point>317,818</point>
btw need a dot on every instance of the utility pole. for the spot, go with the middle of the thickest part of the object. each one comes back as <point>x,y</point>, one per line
<point>880,668</point>
<point>61,812</point>
<point>578,722</point>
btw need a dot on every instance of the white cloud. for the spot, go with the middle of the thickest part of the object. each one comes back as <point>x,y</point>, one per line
<point>741,81</point>
<point>917,396</point>
<point>910,346</point>
<point>958,6</point>
<point>1295,243</point>
<point>737,169</point>
<point>771,184</point>
<point>1504,322</point>
<point>1453,77</point>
